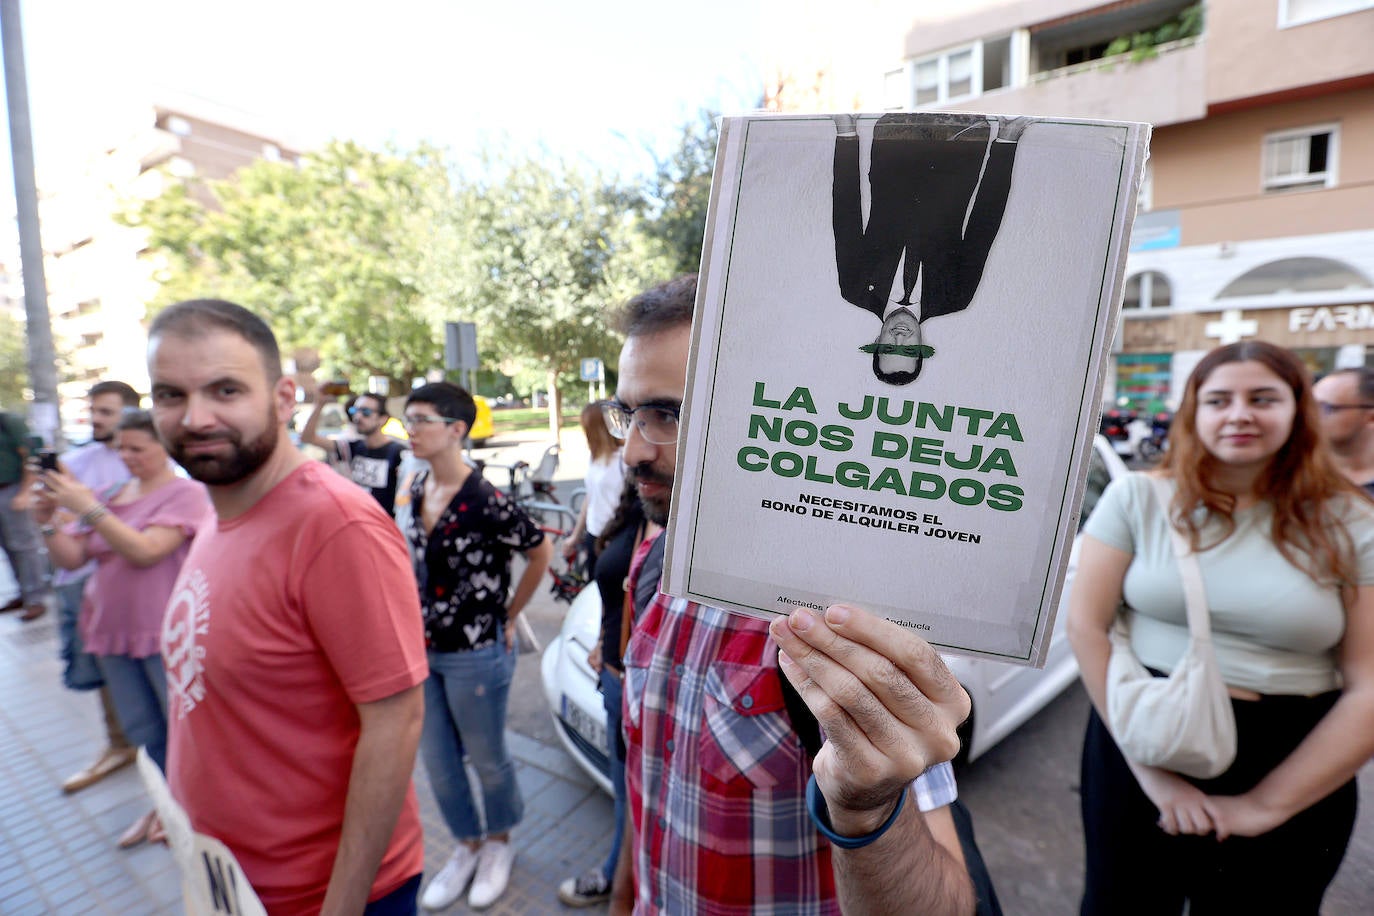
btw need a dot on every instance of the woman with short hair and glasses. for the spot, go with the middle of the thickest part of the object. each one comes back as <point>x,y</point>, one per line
<point>462,534</point>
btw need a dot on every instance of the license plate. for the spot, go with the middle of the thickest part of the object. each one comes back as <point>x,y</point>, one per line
<point>593,730</point>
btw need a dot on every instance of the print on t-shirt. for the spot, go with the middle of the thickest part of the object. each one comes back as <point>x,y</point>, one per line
<point>187,622</point>
<point>370,472</point>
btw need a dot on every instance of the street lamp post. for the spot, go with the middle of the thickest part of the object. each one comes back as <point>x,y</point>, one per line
<point>42,357</point>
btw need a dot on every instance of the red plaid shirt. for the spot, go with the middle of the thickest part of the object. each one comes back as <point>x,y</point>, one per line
<point>716,774</point>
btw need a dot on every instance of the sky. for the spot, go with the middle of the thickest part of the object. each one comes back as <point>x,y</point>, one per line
<point>597,81</point>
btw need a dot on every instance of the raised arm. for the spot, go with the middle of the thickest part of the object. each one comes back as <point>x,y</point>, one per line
<point>310,434</point>
<point>890,708</point>
<point>146,547</point>
<point>66,551</point>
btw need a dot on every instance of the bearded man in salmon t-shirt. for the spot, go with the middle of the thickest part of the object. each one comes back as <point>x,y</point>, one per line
<point>293,640</point>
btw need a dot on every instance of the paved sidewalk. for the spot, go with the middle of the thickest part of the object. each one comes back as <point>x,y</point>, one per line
<point>60,855</point>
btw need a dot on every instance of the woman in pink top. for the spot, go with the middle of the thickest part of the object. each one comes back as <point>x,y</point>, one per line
<point>138,535</point>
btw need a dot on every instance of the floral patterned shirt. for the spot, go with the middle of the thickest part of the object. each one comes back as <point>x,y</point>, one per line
<point>463,565</point>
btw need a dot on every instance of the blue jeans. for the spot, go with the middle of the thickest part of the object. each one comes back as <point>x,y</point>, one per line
<point>138,687</point>
<point>80,670</point>
<point>400,902</point>
<point>612,688</point>
<point>465,714</point>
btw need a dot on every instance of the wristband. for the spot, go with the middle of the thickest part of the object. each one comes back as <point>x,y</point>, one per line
<point>820,816</point>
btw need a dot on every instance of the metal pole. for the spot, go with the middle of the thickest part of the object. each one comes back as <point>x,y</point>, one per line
<point>42,357</point>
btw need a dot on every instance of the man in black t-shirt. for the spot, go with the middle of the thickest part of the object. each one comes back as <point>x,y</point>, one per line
<point>373,460</point>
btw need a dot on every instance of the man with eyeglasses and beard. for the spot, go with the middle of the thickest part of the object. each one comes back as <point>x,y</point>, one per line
<point>293,641</point>
<point>373,460</point>
<point>728,811</point>
<point>1346,400</point>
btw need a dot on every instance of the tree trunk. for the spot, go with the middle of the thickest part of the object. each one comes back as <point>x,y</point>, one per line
<point>555,407</point>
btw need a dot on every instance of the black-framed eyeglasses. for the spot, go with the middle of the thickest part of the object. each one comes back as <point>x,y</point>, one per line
<point>1328,408</point>
<point>362,412</point>
<point>412,420</point>
<point>657,423</point>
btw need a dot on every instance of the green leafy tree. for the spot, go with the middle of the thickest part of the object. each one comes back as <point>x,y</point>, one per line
<point>333,251</point>
<point>549,252</point>
<point>676,195</point>
<point>14,367</point>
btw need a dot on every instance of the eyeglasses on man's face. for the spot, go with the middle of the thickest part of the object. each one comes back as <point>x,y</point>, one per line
<point>1327,408</point>
<point>657,423</point>
<point>362,412</point>
<point>420,421</point>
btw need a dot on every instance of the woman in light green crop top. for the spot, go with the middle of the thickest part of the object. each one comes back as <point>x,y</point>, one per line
<point>1286,547</point>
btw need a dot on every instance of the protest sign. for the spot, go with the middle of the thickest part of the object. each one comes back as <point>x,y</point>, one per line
<point>212,881</point>
<point>901,332</point>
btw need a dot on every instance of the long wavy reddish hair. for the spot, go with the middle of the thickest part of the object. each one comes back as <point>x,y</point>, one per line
<point>1300,480</point>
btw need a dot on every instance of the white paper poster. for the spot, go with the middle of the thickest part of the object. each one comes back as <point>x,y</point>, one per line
<point>902,327</point>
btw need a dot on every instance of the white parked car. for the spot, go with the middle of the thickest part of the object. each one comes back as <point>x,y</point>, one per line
<point>1004,696</point>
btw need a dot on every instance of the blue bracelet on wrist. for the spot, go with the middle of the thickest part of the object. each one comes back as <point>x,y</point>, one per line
<point>820,816</point>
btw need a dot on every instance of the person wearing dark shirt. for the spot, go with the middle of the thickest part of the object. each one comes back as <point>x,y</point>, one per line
<point>615,548</point>
<point>374,459</point>
<point>462,534</point>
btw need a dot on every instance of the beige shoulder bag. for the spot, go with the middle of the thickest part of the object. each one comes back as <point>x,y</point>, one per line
<point>1183,722</point>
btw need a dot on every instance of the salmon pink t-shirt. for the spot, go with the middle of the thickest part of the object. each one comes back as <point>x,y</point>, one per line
<point>282,621</point>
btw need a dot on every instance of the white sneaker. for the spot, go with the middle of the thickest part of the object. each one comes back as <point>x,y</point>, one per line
<point>452,880</point>
<point>494,861</point>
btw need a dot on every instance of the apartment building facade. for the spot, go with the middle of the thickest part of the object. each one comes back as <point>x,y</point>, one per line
<point>1256,219</point>
<point>98,285</point>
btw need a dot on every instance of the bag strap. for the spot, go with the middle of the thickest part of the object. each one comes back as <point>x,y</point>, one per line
<point>1194,592</point>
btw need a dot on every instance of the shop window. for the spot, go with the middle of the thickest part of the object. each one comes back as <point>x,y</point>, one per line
<point>1142,381</point>
<point>1299,12</point>
<point>1300,159</point>
<point>1148,290</point>
<point>1296,275</point>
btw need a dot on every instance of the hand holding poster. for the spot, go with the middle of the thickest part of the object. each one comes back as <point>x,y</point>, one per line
<point>901,332</point>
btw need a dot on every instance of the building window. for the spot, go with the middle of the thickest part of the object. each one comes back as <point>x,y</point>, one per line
<point>963,72</point>
<point>1300,12</point>
<point>996,63</point>
<point>1302,158</point>
<point>179,126</point>
<point>928,81</point>
<point>1148,290</point>
<point>894,89</point>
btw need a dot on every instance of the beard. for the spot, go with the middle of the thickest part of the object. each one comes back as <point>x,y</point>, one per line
<point>655,507</point>
<point>242,460</point>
